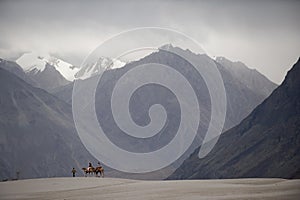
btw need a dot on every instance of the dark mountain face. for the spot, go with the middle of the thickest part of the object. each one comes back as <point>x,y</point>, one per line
<point>37,134</point>
<point>265,144</point>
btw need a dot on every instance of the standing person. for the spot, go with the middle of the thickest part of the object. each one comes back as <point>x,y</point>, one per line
<point>73,171</point>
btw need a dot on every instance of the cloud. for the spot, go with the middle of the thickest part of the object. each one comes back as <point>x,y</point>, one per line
<point>263,34</point>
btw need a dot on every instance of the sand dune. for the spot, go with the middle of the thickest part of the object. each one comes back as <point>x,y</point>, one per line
<point>110,188</point>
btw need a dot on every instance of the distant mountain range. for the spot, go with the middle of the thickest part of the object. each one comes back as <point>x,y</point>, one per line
<point>37,63</point>
<point>48,72</point>
<point>50,117</point>
<point>264,144</point>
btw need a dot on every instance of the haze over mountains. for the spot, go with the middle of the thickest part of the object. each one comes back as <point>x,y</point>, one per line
<point>30,112</point>
<point>264,144</point>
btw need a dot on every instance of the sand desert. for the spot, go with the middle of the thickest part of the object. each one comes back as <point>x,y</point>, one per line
<point>112,188</point>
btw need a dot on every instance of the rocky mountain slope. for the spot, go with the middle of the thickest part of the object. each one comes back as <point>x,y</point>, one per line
<point>265,144</point>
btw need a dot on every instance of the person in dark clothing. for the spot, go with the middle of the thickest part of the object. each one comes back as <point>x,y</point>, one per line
<point>90,166</point>
<point>73,171</point>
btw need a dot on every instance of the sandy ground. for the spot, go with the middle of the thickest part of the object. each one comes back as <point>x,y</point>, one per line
<point>110,188</point>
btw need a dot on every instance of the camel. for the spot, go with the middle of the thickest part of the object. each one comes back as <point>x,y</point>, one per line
<point>89,170</point>
<point>92,170</point>
<point>99,170</point>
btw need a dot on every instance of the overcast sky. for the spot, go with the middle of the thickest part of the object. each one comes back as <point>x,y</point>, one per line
<point>262,34</point>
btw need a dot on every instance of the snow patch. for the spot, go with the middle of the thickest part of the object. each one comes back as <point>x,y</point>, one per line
<point>31,61</point>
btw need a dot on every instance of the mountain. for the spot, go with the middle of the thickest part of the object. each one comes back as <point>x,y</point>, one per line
<point>245,88</point>
<point>47,71</point>
<point>53,74</point>
<point>92,69</point>
<point>241,100</point>
<point>37,133</point>
<point>265,144</point>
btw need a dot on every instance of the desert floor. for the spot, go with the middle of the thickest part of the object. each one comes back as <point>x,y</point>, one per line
<point>111,188</point>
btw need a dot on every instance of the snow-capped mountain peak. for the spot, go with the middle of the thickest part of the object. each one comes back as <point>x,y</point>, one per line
<point>92,69</point>
<point>36,62</point>
<point>66,69</point>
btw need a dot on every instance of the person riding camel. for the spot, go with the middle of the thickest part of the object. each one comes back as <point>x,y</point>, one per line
<point>99,169</point>
<point>90,166</point>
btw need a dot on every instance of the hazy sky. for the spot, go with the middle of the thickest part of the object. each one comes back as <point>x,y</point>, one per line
<point>262,34</point>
